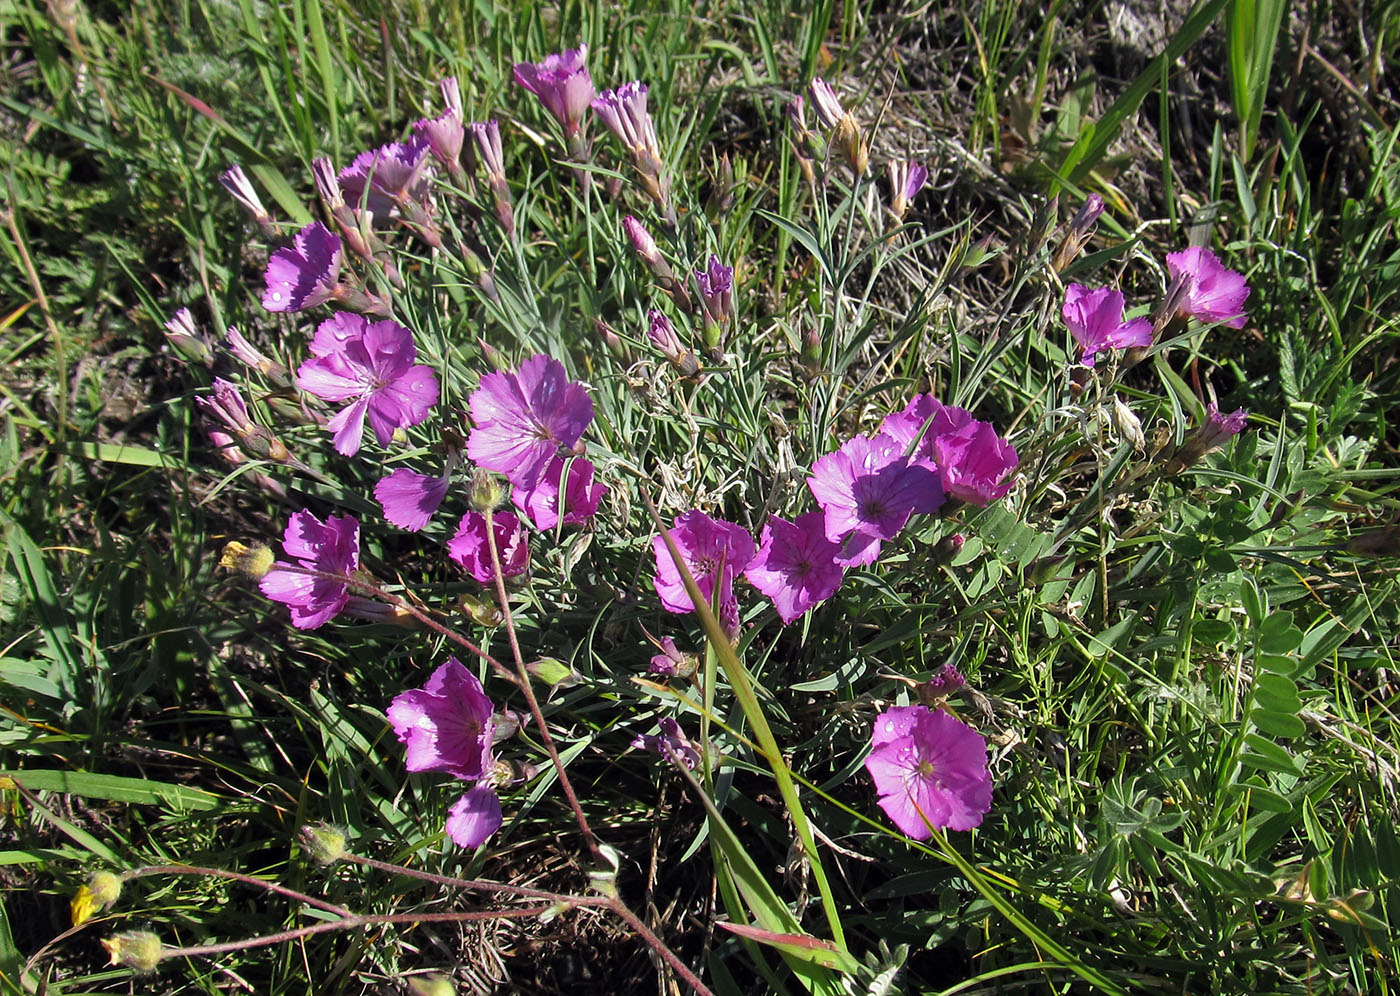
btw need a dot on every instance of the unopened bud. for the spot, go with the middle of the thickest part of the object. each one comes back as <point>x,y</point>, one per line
<point>946,682</point>
<point>946,550</point>
<point>139,950</point>
<point>482,613</point>
<point>488,491</point>
<point>325,844</point>
<point>186,339</point>
<point>252,561</point>
<point>553,672</point>
<point>493,356</point>
<point>616,347</point>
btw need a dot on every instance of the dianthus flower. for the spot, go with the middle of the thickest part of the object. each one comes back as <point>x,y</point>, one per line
<point>447,724</point>
<point>906,425</point>
<point>867,490</point>
<point>304,274</point>
<point>714,552</point>
<point>472,551</point>
<point>563,85</point>
<point>670,741</point>
<point>974,463</point>
<point>1095,319</point>
<point>524,419</point>
<point>409,499</point>
<point>581,495</point>
<point>388,177</point>
<point>1215,431</point>
<point>371,363</point>
<point>930,770</point>
<point>624,111</point>
<point>445,133</point>
<point>474,817</point>
<point>1213,293</point>
<point>796,564</point>
<point>716,285</point>
<point>331,550</point>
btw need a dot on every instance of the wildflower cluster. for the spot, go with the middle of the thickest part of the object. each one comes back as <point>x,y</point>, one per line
<point>512,445</point>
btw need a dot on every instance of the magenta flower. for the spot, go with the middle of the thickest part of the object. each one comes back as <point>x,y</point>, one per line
<point>624,111</point>
<point>304,274</point>
<point>974,463</point>
<point>906,180</point>
<point>671,740</point>
<point>387,177</point>
<point>486,140</point>
<point>445,133</point>
<point>474,817</point>
<point>563,85</point>
<point>447,724</point>
<point>472,551</point>
<point>796,564</point>
<point>1213,293</point>
<point>714,552</point>
<point>524,419</point>
<point>930,770</point>
<point>867,491</point>
<point>331,550</point>
<point>371,365</point>
<point>904,426</point>
<point>236,182</point>
<point>581,495</point>
<point>1095,319</point>
<point>671,663</point>
<point>716,290</point>
<point>409,499</point>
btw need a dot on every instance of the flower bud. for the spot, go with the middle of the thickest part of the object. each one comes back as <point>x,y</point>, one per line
<point>947,681</point>
<point>488,491</point>
<point>946,550</point>
<point>482,613</point>
<point>324,843</point>
<point>186,339</point>
<point>250,561</point>
<point>139,950</point>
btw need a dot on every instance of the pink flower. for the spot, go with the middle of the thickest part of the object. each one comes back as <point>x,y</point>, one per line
<point>904,426</point>
<point>716,290</point>
<point>445,133</point>
<point>974,463</point>
<point>671,740</point>
<point>304,274</point>
<point>472,551</point>
<point>331,550</point>
<point>1095,318</point>
<point>671,663</point>
<point>370,364</point>
<point>384,178</point>
<point>624,111</point>
<point>563,85</point>
<point>581,495</point>
<point>524,419</point>
<point>796,564</point>
<point>474,817</point>
<point>930,770</point>
<point>714,551</point>
<point>1213,293</point>
<point>409,499</point>
<point>1215,431</point>
<point>867,491</point>
<point>447,724</point>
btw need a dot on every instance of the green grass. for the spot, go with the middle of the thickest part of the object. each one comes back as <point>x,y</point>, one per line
<point>1187,681</point>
